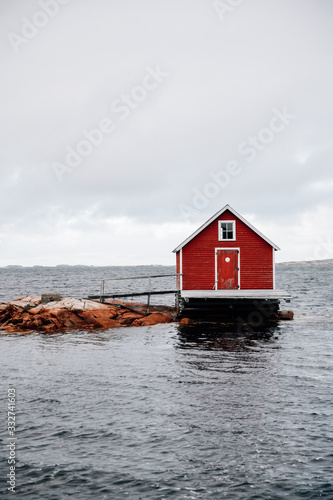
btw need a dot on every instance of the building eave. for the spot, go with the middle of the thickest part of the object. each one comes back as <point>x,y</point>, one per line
<point>216,216</point>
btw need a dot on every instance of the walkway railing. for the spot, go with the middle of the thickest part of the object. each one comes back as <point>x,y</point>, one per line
<point>149,292</point>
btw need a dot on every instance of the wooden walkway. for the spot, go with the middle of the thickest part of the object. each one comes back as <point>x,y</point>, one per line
<point>133,294</point>
<point>235,294</point>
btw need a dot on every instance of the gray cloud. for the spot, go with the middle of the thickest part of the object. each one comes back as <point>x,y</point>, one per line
<point>224,80</point>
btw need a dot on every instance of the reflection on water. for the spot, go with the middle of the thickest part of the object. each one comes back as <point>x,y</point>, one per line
<point>224,337</point>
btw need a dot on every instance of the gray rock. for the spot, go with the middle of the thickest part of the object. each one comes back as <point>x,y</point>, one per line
<point>50,297</point>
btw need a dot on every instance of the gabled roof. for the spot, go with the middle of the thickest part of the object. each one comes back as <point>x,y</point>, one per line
<point>216,216</point>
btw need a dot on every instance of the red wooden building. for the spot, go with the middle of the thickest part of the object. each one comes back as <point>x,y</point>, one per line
<point>227,258</point>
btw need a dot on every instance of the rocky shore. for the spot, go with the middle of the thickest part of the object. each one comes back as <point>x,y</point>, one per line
<point>50,313</point>
<point>31,314</point>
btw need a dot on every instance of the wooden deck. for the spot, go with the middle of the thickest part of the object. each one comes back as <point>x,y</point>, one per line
<point>235,294</point>
<point>229,305</point>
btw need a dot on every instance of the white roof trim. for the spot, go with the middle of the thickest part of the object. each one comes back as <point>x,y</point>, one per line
<point>218,214</point>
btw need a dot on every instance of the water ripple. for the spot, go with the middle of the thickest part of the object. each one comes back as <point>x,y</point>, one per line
<point>166,412</point>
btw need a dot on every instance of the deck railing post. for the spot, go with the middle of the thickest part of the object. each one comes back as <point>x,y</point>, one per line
<point>178,293</point>
<point>148,300</point>
<point>101,298</point>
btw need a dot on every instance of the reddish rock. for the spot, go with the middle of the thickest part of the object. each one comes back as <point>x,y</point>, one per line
<point>104,320</point>
<point>105,324</point>
<point>286,315</point>
<point>152,319</point>
<point>74,321</point>
<point>10,328</point>
<point>36,310</point>
<point>128,317</point>
<point>25,317</point>
<point>60,314</point>
<point>88,317</point>
<point>112,312</point>
<point>104,315</point>
<point>46,317</point>
<point>25,302</point>
<point>186,322</point>
<point>56,322</point>
<point>5,317</point>
<point>3,307</point>
<point>50,328</point>
<point>28,314</point>
<point>98,319</point>
<point>15,315</point>
<point>36,324</point>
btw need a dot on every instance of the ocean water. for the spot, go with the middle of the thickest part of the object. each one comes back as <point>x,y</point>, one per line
<point>169,413</point>
<point>83,281</point>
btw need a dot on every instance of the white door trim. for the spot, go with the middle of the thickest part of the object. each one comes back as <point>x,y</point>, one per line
<point>227,248</point>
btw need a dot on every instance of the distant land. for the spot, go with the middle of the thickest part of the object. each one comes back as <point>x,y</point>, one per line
<point>323,262</point>
<point>61,266</point>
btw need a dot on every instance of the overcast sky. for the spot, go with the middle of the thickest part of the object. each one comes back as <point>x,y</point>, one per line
<point>125,124</point>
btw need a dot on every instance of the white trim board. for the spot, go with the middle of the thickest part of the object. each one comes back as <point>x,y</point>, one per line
<point>235,294</point>
<point>273,268</point>
<point>181,268</point>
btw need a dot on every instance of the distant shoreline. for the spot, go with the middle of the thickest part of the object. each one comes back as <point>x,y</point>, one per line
<point>323,262</point>
<point>82,266</point>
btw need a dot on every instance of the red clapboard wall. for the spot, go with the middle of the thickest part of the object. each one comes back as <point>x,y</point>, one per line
<point>196,259</point>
